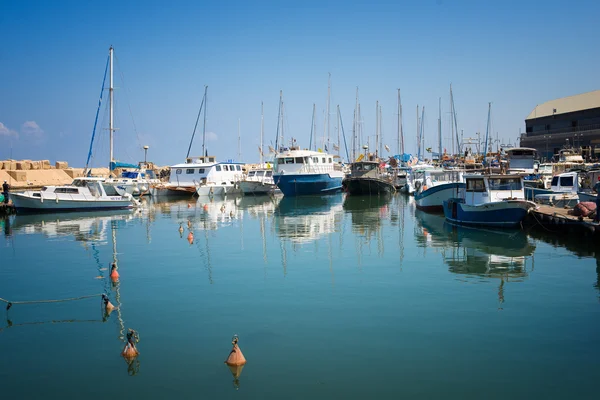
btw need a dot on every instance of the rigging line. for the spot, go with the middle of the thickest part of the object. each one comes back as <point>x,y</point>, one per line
<point>196,126</point>
<point>126,91</point>
<point>97,112</point>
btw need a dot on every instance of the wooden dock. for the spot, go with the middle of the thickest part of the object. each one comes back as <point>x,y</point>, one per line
<point>559,221</point>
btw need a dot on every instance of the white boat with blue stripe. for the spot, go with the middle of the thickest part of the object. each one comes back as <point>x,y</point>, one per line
<point>433,186</point>
<point>489,200</point>
<point>304,172</point>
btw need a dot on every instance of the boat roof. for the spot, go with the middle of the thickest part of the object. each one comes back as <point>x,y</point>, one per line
<point>520,149</point>
<point>90,178</point>
<point>494,176</point>
<point>205,165</point>
<point>301,153</point>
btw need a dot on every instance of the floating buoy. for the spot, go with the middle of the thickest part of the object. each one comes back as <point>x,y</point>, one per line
<point>108,307</point>
<point>236,358</point>
<point>130,350</point>
<point>189,223</point>
<point>189,205</point>
<point>114,275</point>
<point>180,228</point>
<point>190,237</point>
<point>230,214</point>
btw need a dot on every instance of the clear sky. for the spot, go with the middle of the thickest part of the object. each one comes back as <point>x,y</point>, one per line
<point>515,54</point>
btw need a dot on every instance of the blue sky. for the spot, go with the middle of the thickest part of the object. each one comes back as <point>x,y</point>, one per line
<point>515,54</point>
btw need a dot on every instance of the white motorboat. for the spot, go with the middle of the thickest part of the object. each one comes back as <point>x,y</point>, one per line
<point>259,181</point>
<point>83,194</point>
<point>136,182</point>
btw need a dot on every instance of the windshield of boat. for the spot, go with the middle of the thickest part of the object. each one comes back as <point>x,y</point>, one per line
<point>110,190</point>
<point>505,184</point>
<point>251,174</point>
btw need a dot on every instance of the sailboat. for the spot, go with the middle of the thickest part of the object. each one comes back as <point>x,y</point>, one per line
<point>85,193</point>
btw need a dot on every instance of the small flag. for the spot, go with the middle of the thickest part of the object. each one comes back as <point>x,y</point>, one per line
<point>326,148</point>
<point>336,147</point>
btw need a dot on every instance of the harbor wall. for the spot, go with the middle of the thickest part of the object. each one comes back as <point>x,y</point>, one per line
<point>28,174</point>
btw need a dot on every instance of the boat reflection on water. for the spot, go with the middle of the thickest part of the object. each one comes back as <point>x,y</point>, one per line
<point>303,219</point>
<point>206,213</point>
<point>367,212</point>
<point>259,206</point>
<point>88,227</point>
<point>477,253</point>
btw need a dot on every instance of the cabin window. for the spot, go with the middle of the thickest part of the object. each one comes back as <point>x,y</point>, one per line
<point>330,160</point>
<point>475,185</point>
<point>178,171</point>
<point>37,195</point>
<point>200,170</point>
<point>505,184</point>
<point>316,160</point>
<point>218,167</point>
<point>289,160</point>
<point>251,174</point>
<point>225,168</point>
<point>324,160</point>
<point>44,189</point>
<point>554,181</point>
<point>66,190</point>
<point>189,171</point>
<point>110,190</point>
<point>280,161</point>
<point>566,181</point>
<point>232,167</point>
<point>260,173</point>
<point>238,168</point>
<point>299,160</point>
<point>269,174</point>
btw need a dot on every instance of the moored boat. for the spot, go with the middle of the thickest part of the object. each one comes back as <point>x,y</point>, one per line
<point>366,177</point>
<point>83,194</point>
<point>436,186</point>
<point>259,181</point>
<point>489,200</point>
<point>305,172</point>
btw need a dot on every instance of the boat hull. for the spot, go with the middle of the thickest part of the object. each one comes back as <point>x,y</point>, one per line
<point>433,198</point>
<point>258,188</point>
<point>217,190</point>
<point>506,214</point>
<point>24,203</point>
<point>172,192</point>
<point>368,186</point>
<point>299,185</point>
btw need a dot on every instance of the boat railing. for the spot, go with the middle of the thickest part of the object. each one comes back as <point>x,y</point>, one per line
<point>315,169</point>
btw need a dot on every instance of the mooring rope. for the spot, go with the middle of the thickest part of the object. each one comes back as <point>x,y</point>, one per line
<point>49,301</point>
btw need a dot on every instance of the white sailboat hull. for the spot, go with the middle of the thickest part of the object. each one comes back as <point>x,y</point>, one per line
<point>26,201</point>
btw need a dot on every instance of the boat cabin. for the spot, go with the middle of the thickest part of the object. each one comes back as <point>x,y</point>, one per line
<point>521,160</point>
<point>490,188</point>
<point>565,183</point>
<point>365,169</point>
<point>80,187</point>
<point>570,156</point>
<point>201,170</point>
<point>304,162</point>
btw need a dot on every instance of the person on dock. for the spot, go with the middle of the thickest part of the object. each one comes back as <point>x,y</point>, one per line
<point>5,190</point>
<point>597,189</point>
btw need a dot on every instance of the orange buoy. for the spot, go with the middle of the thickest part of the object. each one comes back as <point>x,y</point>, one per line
<point>108,307</point>
<point>235,358</point>
<point>189,205</point>
<point>114,275</point>
<point>130,351</point>
<point>190,237</point>
<point>205,207</point>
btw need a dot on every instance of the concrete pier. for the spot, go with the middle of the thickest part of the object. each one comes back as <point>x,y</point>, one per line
<point>559,221</point>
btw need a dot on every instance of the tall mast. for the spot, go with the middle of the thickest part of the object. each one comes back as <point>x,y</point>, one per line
<point>380,132</point>
<point>282,119</point>
<point>239,143</point>
<point>262,130</point>
<point>313,128</point>
<point>328,110</point>
<point>339,144</point>
<point>423,131</point>
<point>451,122</point>
<point>440,130</point>
<point>399,147</point>
<point>418,138</point>
<point>377,128</point>
<point>111,127</point>
<point>356,139</point>
<point>487,132</point>
<point>278,122</point>
<point>204,125</point>
<point>458,142</point>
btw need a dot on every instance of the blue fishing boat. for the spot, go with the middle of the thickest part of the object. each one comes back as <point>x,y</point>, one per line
<point>436,186</point>
<point>489,200</point>
<point>305,172</point>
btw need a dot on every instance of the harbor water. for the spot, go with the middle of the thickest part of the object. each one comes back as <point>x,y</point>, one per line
<point>331,297</point>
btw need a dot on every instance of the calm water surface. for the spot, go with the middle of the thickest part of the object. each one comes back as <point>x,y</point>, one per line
<point>331,297</point>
